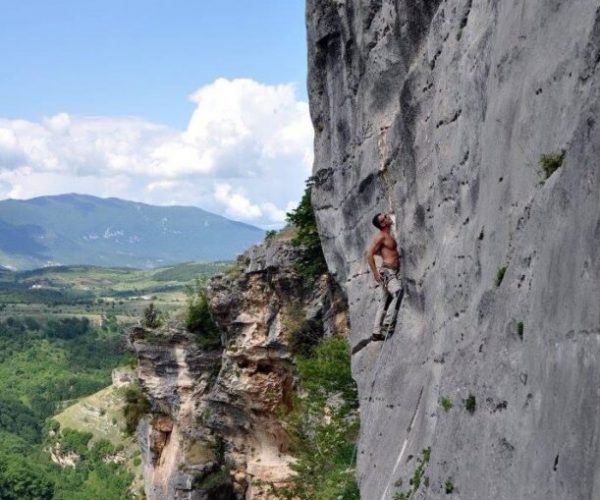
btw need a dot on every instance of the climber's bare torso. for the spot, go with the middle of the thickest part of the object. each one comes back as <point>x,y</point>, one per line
<point>388,250</point>
<point>385,246</point>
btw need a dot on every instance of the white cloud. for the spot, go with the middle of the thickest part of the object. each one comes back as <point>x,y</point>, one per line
<point>26,183</point>
<point>162,186</point>
<point>274,213</point>
<point>236,204</point>
<point>247,149</point>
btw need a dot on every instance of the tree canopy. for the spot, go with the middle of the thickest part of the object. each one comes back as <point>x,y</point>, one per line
<point>312,261</point>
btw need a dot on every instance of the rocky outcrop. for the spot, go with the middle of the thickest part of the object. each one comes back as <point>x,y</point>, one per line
<point>177,453</point>
<point>216,428</point>
<point>440,112</point>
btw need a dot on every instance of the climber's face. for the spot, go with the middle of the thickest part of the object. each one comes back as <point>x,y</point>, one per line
<point>384,220</point>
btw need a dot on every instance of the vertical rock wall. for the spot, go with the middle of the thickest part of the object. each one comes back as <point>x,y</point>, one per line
<point>439,113</point>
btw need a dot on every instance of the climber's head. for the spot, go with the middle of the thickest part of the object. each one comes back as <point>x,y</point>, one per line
<point>382,220</point>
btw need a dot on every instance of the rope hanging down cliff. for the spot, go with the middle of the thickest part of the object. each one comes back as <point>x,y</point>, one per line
<point>392,288</point>
<point>369,399</point>
<point>391,296</point>
<point>384,161</point>
<point>380,361</point>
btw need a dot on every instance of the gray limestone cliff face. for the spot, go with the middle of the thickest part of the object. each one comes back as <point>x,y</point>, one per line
<point>439,113</point>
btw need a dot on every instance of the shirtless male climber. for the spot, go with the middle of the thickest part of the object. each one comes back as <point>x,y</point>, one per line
<point>387,276</point>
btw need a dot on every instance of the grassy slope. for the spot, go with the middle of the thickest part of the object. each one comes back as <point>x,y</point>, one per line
<point>102,415</point>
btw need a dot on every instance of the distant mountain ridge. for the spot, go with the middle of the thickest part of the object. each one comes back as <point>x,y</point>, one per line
<point>82,229</point>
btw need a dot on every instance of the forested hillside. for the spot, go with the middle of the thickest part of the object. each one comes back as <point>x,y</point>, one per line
<point>79,229</point>
<point>43,365</point>
<point>61,336</point>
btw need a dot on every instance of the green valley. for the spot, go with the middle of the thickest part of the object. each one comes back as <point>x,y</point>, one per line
<point>62,338</point>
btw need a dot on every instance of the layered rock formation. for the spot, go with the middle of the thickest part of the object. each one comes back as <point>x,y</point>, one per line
<point>176,376</point>
<point>216,428</point>
<point>439,112</point>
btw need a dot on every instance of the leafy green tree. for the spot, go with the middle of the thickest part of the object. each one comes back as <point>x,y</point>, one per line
<point>199,319</point>
<point>328,371</point>
<point>17,418</point>
<point>20,480</point>
<point>152,317</point>
<point>44,362</point>
<point>75,441</point>
<point>312,261</point>
<point>270,236</point>
<point>102,449</point>
<point>20,477</point>
<point>67,328</point>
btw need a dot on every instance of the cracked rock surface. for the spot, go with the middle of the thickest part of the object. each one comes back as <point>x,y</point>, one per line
<point>439,113</point>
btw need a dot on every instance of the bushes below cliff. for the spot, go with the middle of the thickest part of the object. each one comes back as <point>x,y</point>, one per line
<point>43,363</point>
<point>324,425</point>
<point>17,418</point>
<point>96,473</point>
<point>21,477</point>
<point>26,473</point>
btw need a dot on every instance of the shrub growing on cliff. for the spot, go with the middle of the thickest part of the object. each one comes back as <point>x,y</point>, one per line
<point>152,317</point>
<point>312,261</point>
<point>446,403</point>
<point>213,483</point>
<point>520,328</point>
<point>234,271</point>
<point>500,276</point>
<point>270,236</point>
<point>305,337</point>
<point>328,372</point>
<point>199,320</point>
<point>470,404</point>
<point>136,406</point>
<point>551,162</point>
<point>417,478</point>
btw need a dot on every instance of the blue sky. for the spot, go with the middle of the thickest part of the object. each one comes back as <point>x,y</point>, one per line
<point>141,58</point>
<point>183,102</point>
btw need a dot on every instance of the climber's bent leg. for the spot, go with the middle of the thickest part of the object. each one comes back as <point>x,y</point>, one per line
<point>396,292</point>
<point>384,301</point>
